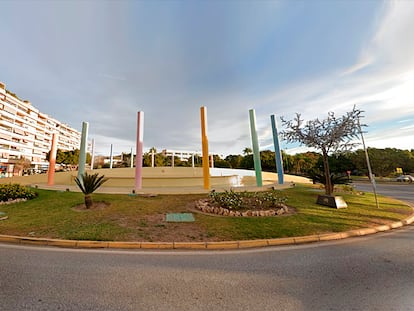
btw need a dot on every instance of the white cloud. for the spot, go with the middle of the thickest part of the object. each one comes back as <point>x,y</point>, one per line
<point>381,83</point>
<point>104,62</point>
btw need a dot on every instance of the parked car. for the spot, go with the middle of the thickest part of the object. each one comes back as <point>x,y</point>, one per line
<point>405,178</point>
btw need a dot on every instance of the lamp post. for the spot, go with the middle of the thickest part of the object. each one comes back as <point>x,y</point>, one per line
<point>371,176</point>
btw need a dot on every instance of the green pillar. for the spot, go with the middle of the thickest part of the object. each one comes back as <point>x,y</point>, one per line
<point>255,145</point>
<point>82,153</point>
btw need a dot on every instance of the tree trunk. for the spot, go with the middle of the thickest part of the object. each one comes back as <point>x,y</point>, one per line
<point>88,201</point>
<point>328,183</point>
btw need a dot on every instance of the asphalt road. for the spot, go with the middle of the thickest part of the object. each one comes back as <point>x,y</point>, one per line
<point>402,191</point>
<point>367,273</point>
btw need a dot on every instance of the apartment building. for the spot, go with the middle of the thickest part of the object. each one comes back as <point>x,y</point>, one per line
<point>26,135</point>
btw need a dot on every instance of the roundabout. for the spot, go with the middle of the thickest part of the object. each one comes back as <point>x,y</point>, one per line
<point>207,232</point>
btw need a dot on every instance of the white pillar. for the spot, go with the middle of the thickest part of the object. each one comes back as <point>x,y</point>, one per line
<point>111,159</point>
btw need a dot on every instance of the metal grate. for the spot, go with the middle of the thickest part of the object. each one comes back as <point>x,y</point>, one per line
<point>179,217</point>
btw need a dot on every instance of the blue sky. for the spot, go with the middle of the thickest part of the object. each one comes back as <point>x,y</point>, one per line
<point>102,61</point>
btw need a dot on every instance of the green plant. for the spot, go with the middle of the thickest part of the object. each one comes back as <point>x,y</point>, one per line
<point>245,200</point>
<point>229,199</point>
<point>15,191</point>
<point>88,184</point>
<point>336,179</point>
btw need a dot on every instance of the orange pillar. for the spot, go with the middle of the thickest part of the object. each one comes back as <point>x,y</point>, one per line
<point>204,141</point>
<point>52,161</point>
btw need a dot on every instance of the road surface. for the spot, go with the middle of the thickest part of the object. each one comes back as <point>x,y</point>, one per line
<point>401,191</point>
<point>366,273</point>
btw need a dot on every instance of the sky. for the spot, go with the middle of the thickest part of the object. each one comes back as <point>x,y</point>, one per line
<point>103,61</point>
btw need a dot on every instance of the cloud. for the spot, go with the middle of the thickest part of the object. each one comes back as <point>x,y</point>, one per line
<point>381,83</point>
<point>101,62</point>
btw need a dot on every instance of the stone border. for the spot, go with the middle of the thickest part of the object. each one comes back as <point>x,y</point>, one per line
<point>205,245</point>
<point>203,205</point>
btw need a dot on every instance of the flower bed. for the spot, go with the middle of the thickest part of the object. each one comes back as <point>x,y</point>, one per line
<point>244,204</point>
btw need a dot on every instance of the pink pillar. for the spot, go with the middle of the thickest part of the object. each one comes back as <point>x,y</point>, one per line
<point>52,161</point>
<point>140,145</point>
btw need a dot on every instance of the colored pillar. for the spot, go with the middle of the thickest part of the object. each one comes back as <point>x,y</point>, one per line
<point>278,154</point>
<point>82,153</point>
<point>138,153</point>
<point>255,145</point>
<point>152,158</point>
<point>111,158</point>
<point>93,154</point>
<point>204,142</point>
<point>52,161</point>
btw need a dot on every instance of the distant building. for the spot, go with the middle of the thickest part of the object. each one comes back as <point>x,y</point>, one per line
<point>182,155</point>
<point>26,135</point>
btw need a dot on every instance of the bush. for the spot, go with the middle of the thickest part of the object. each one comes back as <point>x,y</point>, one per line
<point>15,191</point>
<point>248,200</point>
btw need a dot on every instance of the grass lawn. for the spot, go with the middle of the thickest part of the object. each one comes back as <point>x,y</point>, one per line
<point>136,218</point>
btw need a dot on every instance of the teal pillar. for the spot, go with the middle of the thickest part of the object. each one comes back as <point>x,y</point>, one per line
<point>255,145</point>
<point>82,153</point>
<point>111,158</point>
<point>278,154</point>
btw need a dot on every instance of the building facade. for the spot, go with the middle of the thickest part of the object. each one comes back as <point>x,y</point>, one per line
<point>26,135</point>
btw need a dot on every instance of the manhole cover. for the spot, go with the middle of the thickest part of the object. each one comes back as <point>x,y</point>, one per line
<point>179,217</point>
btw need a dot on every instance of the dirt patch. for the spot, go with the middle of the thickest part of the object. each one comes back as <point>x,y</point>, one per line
<point>95,206</point>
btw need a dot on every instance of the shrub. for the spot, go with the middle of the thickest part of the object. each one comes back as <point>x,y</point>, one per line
<point>15,191</point>
<point>88,184</point>
<point>248,200</point>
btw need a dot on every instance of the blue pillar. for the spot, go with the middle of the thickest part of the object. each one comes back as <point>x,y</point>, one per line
<point>278,154</point>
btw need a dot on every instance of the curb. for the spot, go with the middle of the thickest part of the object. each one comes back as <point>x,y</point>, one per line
<point>206,245</point>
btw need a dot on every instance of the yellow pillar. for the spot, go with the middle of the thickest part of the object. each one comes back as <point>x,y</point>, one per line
<point>204,141</point>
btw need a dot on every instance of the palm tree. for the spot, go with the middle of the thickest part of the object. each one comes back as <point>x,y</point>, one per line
<point>88,184</point>
<point>247,151</point>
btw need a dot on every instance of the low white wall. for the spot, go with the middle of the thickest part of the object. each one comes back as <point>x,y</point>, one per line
<point>163,177</point>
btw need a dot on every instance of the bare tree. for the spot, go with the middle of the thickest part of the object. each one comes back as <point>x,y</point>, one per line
<point>330,135</point>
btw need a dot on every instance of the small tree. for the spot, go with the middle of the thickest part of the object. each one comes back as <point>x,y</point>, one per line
<point>330,135</point>
<point>88,184</point>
